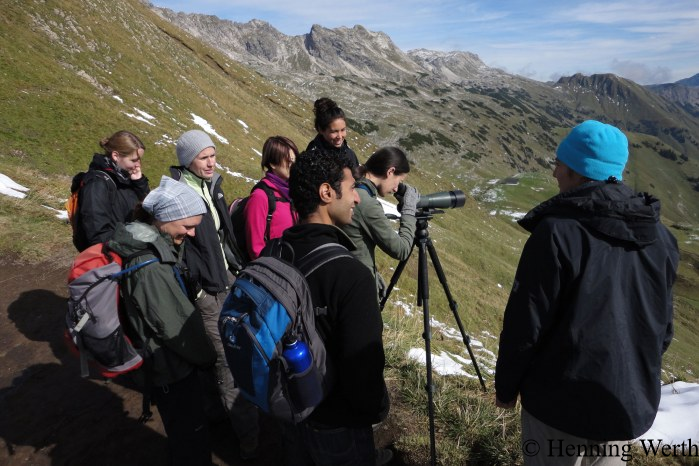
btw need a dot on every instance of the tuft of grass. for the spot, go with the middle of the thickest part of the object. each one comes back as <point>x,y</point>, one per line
<point>469,429</point>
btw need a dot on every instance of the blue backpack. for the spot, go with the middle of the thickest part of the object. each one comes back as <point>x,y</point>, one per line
<point>269,304</point>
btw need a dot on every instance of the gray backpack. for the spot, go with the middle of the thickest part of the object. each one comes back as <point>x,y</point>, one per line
<point>92,320</point>
<point>270,304</point>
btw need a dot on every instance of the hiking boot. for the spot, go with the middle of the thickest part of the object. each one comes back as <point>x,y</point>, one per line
<point>383,456</point>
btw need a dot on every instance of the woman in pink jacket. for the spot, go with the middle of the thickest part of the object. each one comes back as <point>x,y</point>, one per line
<point>278,154</point>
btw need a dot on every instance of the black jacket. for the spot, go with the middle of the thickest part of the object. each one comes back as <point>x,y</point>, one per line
<point>351,331</point>
<point>103,203</point>
<point>206,268</point>
<point>320,142</point>
<point>590,313</point>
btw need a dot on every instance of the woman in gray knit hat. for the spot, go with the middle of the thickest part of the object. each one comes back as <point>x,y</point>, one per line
<point>166,326</point>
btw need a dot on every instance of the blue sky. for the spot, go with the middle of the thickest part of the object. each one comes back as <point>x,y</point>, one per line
<point>645,41</point>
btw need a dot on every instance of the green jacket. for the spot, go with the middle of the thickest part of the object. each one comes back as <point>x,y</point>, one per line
<point>371,228</point>
<point>157,308</point>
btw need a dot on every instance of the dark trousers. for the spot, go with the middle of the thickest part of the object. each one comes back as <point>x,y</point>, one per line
<point>180,408</point>
<point>307,444</point>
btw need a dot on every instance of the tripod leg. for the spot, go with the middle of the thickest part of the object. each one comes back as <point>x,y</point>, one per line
<point>453,306</point>
<point>394,280</point>
<point>424,292</point>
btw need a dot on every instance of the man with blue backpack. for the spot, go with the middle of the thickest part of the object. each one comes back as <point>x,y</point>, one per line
<point>339,430</point>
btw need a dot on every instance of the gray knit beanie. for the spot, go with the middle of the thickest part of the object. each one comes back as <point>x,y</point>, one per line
<point>190,144</point>
<point>173,200</point>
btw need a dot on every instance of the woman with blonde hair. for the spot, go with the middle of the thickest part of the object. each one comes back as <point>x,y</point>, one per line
<point>111,188</point>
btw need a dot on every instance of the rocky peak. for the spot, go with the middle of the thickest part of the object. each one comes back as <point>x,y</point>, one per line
<point>607,84</point>
<point>357,51</point>
<point>342,51</point>
<point>455,66</point>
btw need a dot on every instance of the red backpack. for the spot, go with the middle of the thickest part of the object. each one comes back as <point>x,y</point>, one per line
<point>93,318</point>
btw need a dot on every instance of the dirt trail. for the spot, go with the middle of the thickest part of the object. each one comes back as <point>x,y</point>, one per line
<point>49,415</point>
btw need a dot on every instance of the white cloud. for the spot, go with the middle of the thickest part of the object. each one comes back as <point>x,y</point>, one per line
<point>641,73</point>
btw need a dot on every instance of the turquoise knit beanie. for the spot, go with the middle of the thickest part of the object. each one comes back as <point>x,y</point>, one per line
<point>595,150</point>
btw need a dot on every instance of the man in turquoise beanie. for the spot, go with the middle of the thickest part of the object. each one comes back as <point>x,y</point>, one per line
<point>590,311</point>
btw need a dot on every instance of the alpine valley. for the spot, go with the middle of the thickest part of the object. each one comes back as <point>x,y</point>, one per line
<point>455,115</point>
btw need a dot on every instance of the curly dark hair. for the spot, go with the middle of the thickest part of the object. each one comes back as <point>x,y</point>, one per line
<point>312,169</point>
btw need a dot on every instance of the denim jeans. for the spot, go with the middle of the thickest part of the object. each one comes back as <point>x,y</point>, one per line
<point>307,445</point>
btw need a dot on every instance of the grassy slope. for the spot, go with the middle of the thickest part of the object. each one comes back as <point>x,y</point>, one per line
<point>60,70</point>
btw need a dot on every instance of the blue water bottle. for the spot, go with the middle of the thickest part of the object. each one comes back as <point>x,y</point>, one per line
<point>297,356</point>
<point>304,382</point>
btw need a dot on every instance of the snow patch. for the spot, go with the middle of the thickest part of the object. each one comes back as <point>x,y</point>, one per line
<point>203,124</point>
<point>9,187</point>
<point>443,364</point>
<point>246,128</point>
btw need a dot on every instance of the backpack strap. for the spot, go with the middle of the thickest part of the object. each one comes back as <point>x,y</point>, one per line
<point>112,186</point>
<point>105,176</point>
<point>272,204</point>
<point>321,256</point>
<point>362,185</point>
<point>315,259</point>
<point>276,247</point>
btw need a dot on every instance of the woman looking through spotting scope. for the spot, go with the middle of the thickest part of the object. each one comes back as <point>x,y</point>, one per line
<point>381,175</point>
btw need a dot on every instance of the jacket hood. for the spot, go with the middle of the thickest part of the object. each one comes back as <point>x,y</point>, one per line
<point>106,164</point>
<point>176,172</point>
<point>610,209</point>
<point>135,237</point>
<point>309,235</point>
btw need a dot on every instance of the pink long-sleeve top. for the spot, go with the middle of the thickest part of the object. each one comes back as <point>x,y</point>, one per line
<point>256,219</point>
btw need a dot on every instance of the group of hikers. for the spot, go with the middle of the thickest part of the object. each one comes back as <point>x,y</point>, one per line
<point>589,315</point>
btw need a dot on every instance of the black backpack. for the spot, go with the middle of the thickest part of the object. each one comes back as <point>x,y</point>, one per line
<point>73,204</point>
<point>237,213</point>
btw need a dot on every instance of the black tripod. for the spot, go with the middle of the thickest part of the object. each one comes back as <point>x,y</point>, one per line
<point>424,244</point>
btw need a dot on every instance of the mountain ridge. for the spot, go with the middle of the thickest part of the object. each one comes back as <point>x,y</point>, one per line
<point>684,92</point>
<point>450,107</point>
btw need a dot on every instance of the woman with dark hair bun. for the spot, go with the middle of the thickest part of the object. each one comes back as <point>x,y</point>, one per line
<point>380,175</point>
<point>332,130</point>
